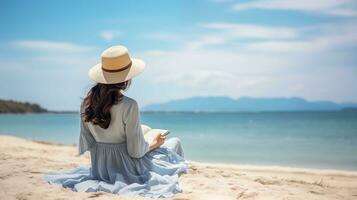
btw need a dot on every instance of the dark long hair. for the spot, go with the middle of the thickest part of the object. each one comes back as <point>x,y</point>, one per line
<point>100,99</point>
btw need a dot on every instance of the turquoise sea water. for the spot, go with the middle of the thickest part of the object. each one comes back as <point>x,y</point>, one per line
<point>297,139</point>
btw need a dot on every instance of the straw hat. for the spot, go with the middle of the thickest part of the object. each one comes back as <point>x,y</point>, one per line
<point>116,66</point>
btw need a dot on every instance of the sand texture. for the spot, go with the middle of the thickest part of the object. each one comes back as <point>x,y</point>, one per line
<point>23,163</point>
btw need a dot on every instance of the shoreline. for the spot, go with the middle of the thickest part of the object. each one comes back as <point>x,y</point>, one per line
<point>238,165</point>
<point>24,162</point>
<point>222,164</point>
<point>273,168</point>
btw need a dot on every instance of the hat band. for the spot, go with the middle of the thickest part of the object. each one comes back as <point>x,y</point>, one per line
<point>117,70</point>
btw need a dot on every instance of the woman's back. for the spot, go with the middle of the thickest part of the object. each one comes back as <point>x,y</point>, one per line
<point>115,133</point>
<point>124,127</point>
<point>120,156</point>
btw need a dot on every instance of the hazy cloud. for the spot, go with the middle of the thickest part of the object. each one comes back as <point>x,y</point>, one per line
<point>44,45</point>
<point>330,7</point>
<point>253,31</point>
<point>109,35</point>
<point>276,61</point>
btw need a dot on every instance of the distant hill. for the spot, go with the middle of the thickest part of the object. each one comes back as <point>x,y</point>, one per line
<point>10,106</point>
<point>247,104</point>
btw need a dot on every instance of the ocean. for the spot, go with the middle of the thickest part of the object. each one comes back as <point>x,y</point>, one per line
<point>322,140</point>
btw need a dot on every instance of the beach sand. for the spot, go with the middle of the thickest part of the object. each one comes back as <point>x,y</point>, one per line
<point>24,162</point>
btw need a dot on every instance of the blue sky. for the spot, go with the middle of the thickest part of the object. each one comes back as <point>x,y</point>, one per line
<point>259,48</point>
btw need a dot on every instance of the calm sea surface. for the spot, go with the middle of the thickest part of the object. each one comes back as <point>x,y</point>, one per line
<point>297,139</point>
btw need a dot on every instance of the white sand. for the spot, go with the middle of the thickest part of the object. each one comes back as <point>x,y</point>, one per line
<point>24,162</point>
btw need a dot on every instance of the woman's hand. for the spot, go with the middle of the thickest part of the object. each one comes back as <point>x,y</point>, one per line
<point>157,141</point>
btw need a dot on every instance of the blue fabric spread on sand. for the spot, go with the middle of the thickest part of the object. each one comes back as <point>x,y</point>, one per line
<point>113,170</point>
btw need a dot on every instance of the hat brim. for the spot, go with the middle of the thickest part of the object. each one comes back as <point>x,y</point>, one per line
<point>97,74</point>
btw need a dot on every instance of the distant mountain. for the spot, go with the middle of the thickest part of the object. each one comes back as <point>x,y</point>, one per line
<point>247,104</point>
<point>10,106</point>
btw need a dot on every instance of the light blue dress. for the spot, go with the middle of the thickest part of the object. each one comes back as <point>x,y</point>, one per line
<point>121,162</point>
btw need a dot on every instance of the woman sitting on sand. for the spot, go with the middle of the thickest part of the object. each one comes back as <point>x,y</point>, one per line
<point>122,161</point>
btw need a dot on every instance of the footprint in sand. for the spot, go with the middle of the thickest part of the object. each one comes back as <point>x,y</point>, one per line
<point>181,198</point>
<point>246,194</point>
<point>235,188</point>
<point>95,195</point>
<point>316,192</point>
<point>264,181</point>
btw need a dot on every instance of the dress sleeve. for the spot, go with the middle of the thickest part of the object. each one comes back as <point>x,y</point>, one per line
<point>86,140</point>
<point>137,146</point>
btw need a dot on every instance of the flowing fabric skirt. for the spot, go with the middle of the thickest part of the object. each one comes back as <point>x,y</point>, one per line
<point>113,170</point>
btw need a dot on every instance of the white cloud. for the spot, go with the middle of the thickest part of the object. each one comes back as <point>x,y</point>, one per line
<point>43,45</point>
<point>155,52</point>
<point>301,62</point>
<point>66,60</point>
<point>193,72</point>
<point>220,33</point>
<point>249,37</point>
<point>253,31</point>
<point>61,66</point>
<point>332,37</point>
<point>109,35</point>
<point>330,7</point>
<point>206,40</point>
<point>203,71</point>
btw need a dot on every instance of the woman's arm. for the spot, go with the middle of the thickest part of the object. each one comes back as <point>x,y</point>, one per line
<point>86,140</point>
<point>137,146</point>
